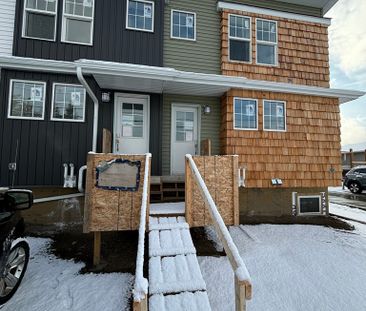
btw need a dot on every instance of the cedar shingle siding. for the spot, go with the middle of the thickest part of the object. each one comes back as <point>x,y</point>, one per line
<point>302,53</point>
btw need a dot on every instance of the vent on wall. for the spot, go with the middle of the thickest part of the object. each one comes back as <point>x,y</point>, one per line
<point>309,205</point>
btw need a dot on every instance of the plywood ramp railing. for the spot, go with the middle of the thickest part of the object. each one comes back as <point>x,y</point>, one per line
<point>243,283</point>
<point>141,285</point>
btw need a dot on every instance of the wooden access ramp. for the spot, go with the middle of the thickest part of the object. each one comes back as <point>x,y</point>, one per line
<point>175,278</point>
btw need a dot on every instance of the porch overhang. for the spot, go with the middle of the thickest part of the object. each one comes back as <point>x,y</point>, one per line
<point>151,79</point>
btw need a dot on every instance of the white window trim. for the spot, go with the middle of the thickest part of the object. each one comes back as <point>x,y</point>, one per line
<point>241,39</point>
<point>245,128</point>
<point>11,95</point>
<point>66,16</point>
<point>25,10</point>
<point>53,101</point>
<point>194,29</point>
<point>309,196</point>
<point>285,115</point>
<point>153,16</point>
<point>275,44</point>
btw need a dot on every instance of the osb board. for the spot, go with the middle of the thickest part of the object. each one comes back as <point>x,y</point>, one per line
<point>303,56</point>
<point>111,210</point>
<point>220,176</point>
<point>303,156</point>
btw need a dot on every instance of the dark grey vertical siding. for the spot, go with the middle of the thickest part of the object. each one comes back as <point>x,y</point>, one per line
<point>45,145</point>
<point>112,41</point>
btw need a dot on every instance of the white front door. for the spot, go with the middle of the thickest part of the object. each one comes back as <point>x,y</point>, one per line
<point>131,124</point>
<point>184,136</point>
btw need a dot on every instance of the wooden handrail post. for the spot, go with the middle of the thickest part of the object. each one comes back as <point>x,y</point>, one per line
<point>140,305</point>
<point>240,302</point>
<point>97,247</point>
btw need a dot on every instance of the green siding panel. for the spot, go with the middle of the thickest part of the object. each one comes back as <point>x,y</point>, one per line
<point>210,124</point>
<point>202,55</point>
<point>282,6</point>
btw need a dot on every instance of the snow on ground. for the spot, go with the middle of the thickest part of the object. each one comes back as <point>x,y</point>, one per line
<point>293,267</point>
<point>338,189</point>
<point>53,284</point>
<point>347,212</point>
<point>167,208</point>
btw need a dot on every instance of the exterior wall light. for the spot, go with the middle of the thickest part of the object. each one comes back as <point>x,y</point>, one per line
<point>206,109</point>
<point>106,97</point>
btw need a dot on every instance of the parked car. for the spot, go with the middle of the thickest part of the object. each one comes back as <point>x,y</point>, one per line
<point>14,252</point>
<point>355,179</point>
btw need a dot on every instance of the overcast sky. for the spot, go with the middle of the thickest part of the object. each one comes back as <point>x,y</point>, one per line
<point>348,64</point>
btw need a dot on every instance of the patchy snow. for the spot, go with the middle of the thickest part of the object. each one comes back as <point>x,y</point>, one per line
<point>293,267</point>
<point>167,208</point>
<point>53,284</point>
<point>347,212</point>
<point>212,236</point>
<point>338,189</point>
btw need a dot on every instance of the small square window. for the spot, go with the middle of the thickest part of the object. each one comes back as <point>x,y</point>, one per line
<point>26,100</point>
<point>274,116</point>
<point>309,204</point>
<point>132,120</point>
<point>183,25</point>
<point>239,38</point>
<point>245,114</point>
<point>140,15</point>
<point>68,103</point>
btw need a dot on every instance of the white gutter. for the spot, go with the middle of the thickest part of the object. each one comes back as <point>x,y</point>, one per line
<point>82,80</point>
<point>262,11</point>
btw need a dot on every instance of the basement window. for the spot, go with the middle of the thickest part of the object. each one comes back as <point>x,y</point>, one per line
<point>140,15</point>
<point>26,100</point>
<point>245,114</point>
<point>183,25</point>
<point>68,103</point>
<point>78,22</point>
<point>239,38</point>
<point>274,115</point>
<point>266,42</point>
<point>309,205</point>
<point>39,19</point>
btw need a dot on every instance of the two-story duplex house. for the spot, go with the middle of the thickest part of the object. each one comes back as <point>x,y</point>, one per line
<point>162,76</point>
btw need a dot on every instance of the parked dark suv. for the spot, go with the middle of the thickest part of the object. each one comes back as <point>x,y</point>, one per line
<point>355,179</point>
<point>14,252</point>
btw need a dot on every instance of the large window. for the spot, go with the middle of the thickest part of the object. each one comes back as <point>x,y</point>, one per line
<point>78,21</point>
<point>274,115</point>
<point>239,38</point>
<point>245,114</point>
<point>26,100</point>
<point>183,25</point>
<point>140,15</point>
<point>266,42</point>
<point>39,19</point>
<point>68,103</point>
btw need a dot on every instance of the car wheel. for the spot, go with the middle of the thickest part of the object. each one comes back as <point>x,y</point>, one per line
<point>15,268</point>
<point>355,187</point>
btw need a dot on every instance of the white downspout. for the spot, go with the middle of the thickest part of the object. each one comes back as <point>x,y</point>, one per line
<point>82,80</point>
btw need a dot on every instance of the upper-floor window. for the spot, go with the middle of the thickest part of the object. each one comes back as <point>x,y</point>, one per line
<point>26,100</point>
<point>183,25</point>
<point>239,38</point>
<point>77,21</point>
<point>140,15</point>
<point>274,115</point>
<point>245,114</point>
<point>39,19</point>
<point>68,102</point>
<point>266,42</point>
